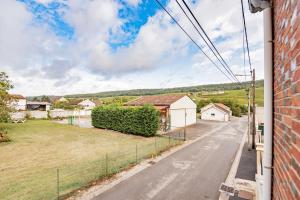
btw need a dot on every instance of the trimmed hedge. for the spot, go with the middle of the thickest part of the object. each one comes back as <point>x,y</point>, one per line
<point>133,120</point>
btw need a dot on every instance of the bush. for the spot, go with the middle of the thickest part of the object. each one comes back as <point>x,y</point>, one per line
<point>133,120</point>
<point>3,135</point>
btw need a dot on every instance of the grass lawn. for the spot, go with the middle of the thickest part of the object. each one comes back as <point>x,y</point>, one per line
<point>28,164</point>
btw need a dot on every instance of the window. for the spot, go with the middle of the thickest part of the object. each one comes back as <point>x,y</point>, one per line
<point>212,114</point>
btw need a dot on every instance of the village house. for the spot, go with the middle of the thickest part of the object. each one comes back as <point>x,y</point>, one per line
<point>176,111</point>
<point>216,112</point>
<point>18,102</point>
<point>89,104</point>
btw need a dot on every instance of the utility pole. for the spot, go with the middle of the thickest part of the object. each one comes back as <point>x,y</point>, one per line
<point>249,112</point>
<point>249,124</point>
<point>253,109</point>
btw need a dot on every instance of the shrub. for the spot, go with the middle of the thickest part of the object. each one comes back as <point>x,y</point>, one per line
<point>133,120</point>
<point>3,135</point>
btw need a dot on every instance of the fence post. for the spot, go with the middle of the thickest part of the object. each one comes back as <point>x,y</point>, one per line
<point>57,183</point>
<point>184,124</point>
<point>169,140</point>
<point>136,154</point>
<point>155,148</point>
<point>106,164</point>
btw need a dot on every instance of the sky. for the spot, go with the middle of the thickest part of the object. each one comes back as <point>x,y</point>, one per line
<point>59,47</point>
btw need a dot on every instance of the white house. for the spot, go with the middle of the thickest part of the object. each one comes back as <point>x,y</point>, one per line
<point>216,111</point>
<point>18,102</point>
<point>176,111</point>
<point>62,99</point>
<point>87,104</point>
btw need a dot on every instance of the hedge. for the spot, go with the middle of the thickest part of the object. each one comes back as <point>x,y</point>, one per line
<point>132,120</point>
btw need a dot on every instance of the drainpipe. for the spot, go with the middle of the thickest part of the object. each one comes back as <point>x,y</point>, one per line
<point>268,104</point>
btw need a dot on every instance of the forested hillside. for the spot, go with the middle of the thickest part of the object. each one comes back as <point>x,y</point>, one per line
<point>140,92</point>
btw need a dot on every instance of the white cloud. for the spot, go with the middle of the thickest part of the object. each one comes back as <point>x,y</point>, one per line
<point>34,55</point>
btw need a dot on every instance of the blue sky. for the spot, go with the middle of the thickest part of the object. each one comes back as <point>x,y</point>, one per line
<point>91,46</point>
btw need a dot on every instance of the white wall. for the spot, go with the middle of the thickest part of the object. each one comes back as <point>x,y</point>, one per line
<point>177,113</point>
<point>219,115</point>
<point>18,104</point>
<point>53,114</point>
<point>38,114</point>
<point>68,113</point>
<point>87,104</point>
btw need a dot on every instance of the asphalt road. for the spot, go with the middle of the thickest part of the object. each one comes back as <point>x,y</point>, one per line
<point>194,172</point>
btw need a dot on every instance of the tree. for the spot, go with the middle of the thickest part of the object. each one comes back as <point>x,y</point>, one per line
<point>5,86</point>
<point>45,99</point>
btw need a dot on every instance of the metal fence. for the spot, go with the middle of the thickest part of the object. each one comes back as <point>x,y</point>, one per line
<point>57,183</point>
<point>179,129</point>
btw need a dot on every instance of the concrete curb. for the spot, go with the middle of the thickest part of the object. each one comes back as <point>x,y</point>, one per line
<point>122,176</point>
<point>233,170</point>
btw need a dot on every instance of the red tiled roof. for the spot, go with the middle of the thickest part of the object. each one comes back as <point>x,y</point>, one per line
<point>222,106</point>
<point>217,105</point>
<point>16,96</point>
<point>161,100</point>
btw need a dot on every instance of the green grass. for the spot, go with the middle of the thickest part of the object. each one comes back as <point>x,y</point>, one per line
<point>236,95</point>
<point>28,164</point>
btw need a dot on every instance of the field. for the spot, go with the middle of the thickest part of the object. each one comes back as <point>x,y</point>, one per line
<point>45,158</point>
<point>236,95</point>
<point>239,96</point>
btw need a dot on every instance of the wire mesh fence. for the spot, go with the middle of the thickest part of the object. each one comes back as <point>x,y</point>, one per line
<point>58,182</point>
<point>175,122</point>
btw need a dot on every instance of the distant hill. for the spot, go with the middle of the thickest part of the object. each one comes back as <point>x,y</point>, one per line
<point>141,92</point>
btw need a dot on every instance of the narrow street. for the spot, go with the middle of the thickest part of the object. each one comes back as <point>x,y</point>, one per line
<point>194,172</point>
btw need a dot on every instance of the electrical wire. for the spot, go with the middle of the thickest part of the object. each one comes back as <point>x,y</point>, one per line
<point>232,75</point>
<point>246,35</point>
<point>212,44</point>
<point>158,2</point>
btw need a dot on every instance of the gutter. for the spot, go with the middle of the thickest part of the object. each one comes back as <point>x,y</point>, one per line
<point>255,6</point>
<point>268,104</point>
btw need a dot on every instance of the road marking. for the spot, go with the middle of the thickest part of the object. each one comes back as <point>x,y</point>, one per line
<point>182,164</point>
<point>165,181</point>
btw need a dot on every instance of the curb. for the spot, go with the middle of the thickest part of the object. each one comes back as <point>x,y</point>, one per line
<point>233,170</point>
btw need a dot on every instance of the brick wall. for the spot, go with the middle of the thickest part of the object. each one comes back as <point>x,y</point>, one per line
<point>286,161</point>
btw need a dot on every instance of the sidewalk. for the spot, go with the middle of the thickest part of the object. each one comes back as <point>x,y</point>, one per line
<point>247,167</point>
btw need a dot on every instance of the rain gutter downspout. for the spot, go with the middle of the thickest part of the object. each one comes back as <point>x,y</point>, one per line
<point>268,104</point>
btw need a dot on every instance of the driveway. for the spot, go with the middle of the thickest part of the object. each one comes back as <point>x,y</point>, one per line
<point>194,172</point>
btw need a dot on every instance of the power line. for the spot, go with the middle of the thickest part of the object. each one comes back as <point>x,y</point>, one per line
<point>244,54</point>
<point>245,31</point>
<point>212,44</point>
<point>158,2</point>
<point>234,77</point>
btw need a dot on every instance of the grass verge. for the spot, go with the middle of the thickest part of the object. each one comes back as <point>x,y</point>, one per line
<point>46,159</point>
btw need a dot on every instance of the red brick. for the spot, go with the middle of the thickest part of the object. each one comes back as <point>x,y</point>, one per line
<point>286,158</point>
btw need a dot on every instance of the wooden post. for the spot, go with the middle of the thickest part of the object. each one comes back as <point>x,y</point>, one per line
<point>253,110</point>
<point>57,182</point>
<point>249,124</point>
<point>106,164</point>
<point>136,154</point>
<point>184,124</point>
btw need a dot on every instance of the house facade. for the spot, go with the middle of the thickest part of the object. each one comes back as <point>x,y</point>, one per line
<point>176,111</point>
<point>281,158</point>
<point>87,104</point>
<point>216,112</point>
<point>18,102</point>
<point>286,83</point>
